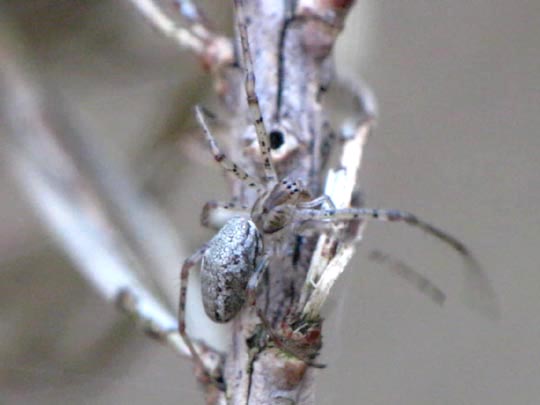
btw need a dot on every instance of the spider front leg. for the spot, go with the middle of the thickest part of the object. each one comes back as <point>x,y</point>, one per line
<point>482,297</point>
<point>348,214</point>
<point>252,98</point>
<point>328,228</point>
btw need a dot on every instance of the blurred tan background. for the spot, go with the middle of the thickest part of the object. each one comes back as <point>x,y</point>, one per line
<point>458,84</point>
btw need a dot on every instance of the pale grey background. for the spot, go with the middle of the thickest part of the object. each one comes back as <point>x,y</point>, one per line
<point>458,83</point>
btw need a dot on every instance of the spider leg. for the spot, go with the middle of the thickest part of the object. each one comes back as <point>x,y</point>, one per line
<point>483,299</point>
<point>216,213</point>
<point>319,201</point>
<point>309,227</point>
<point>252,98</point>
<point>222,159</point>
<point>397,267</point>
<point>420,282</point>
<point>184,276</point>
<point>348,214</point>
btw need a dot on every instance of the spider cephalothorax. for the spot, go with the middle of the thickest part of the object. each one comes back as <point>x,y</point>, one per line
<point>275,209</point>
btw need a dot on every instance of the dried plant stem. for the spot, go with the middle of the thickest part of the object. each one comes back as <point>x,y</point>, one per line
<point>285,64</point>
<point>82,214</point>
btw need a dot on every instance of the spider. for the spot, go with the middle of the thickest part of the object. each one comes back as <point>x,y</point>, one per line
<point>234,259</point>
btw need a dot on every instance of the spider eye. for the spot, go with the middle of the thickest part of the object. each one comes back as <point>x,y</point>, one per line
<point>276,139</point>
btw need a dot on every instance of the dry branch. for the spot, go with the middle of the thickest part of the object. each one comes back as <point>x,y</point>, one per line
<point>284,53</point>
<point>89,203</point>
<point>289,51</point>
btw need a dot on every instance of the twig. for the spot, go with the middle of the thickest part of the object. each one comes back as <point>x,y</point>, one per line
<point>215,51</point>
<point>94,224</point>
<point>340,184</point>
<point>185,38</point>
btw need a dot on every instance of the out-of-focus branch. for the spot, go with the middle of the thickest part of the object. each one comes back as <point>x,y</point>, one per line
<point>161,22</point>
<point>117,238</point>
<point>213,50</point>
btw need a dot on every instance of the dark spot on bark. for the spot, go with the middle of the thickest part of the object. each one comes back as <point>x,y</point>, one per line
<point>276,139</point>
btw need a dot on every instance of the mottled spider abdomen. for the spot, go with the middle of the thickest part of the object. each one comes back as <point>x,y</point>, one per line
<point>228,263</point>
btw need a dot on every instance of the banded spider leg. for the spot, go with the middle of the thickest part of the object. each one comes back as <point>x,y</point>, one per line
<point>482,298</point>
<point>477,287</point>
